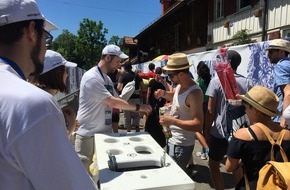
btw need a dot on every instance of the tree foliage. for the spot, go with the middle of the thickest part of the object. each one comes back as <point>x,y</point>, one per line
<point>241,37</point>
<point>65,44</point>
<point>90,42</point>
<point>86,47</point>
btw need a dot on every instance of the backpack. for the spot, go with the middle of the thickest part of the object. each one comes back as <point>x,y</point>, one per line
<point>274,175</point>
<point>236,117</point>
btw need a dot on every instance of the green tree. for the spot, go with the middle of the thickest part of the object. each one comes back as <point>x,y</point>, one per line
<point>116,40</point>
<point>241,37</point>
<point>119,42</point>
<point>90,42</point>
<point>65,44</point>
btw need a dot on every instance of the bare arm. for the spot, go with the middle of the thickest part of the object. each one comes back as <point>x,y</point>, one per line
<point>119,87</point>
<point>124,105</point>
<point>286,92</point>
<point>232,164</point>
<point>210,116</point>
<point>194,102</point>
<point>148,95</point>
<point>168,95</point>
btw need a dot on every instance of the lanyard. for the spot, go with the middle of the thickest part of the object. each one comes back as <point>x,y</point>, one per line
<point>14,66</point>
<point>101,72</point>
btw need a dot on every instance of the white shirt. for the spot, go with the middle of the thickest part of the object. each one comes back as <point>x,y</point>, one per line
<point>180,136</point>
<point>35,152</point>
<point>93,112</point>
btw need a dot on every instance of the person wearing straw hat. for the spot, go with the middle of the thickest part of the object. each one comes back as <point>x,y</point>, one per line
<point>186,115</point>
<point>35,150</point>
<point>216,130</point>
<point>278,52</point>
<point>250,145</point>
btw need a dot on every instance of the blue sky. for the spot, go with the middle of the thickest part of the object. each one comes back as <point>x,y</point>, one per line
<point>120,17</point>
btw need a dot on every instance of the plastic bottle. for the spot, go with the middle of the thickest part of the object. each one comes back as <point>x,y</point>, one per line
<point>165,128</point>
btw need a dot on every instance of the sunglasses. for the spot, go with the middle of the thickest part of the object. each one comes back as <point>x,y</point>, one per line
<point>272,50</point>
<point>171,75</point>
<point>48,38</point>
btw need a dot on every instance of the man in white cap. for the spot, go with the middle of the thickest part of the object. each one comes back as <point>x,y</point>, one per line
<point>186,115</point>
<point>35,152</point>
<point>278,52</point>
<point>97,98</point>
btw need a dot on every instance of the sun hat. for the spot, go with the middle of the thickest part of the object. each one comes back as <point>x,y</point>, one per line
<point>12,11</point>
<point>263,99</point>
<point>177,61</point>
<point>279,44</point>
<point>54,59</point>
<point>114,50</point>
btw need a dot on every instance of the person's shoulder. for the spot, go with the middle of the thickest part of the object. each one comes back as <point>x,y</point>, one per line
<point>34,98</point>
<point>242,134</point>
<point>214,83</point>
<point>283,63</point>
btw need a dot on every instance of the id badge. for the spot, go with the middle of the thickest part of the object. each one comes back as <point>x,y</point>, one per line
<point>108,117</point>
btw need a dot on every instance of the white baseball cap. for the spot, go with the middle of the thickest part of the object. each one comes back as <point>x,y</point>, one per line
<point>114,50</point>
<point>12,11</point>
<point>54,59</point>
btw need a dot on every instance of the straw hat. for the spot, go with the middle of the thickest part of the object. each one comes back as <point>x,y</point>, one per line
<point>279,44</point>
<point>177,61</point>
<point>263,99</point>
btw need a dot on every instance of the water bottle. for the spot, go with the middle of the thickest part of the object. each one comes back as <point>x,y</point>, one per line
<point>165,128</point>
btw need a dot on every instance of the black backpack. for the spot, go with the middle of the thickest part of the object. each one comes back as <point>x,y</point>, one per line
<point>236,118</point>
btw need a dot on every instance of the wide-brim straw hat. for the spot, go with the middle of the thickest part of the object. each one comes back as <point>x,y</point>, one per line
<point>263,99</point>
<point>279,44</point>
<point>177,61</point>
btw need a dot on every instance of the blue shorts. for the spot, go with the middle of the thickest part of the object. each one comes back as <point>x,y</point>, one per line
<point>180,154</point>
<point>217,148</point>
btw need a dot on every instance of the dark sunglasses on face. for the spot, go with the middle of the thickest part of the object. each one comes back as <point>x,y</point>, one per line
<point>48,38</point>
<point>171,75</point>
<point>272,50</point>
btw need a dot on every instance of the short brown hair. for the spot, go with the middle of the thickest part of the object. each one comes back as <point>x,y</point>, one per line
<point>11,33</point>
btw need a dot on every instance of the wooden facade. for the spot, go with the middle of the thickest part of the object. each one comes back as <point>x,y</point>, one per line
<point>182,27</point>
<point>264,20</point>
<point>192,26</point>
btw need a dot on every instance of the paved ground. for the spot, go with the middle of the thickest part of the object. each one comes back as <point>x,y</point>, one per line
<point>202,177</point>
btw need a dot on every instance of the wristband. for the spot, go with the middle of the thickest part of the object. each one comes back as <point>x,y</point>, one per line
<point>137,107</point>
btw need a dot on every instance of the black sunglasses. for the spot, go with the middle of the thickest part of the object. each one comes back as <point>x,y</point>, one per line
<point>48,38</point>
<point>171,75</point>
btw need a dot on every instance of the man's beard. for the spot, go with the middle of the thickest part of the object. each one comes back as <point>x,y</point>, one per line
<point>111,69</point>
<point>34,55</point>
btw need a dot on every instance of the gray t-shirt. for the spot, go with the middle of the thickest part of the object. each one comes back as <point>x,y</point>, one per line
<point>214,89</point>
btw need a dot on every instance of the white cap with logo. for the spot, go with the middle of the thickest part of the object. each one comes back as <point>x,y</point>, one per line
<point>114,50</point>
<point>54,59</point>
<point>12,11</point>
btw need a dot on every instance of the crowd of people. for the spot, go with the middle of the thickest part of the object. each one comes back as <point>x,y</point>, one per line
<point>36,153</point>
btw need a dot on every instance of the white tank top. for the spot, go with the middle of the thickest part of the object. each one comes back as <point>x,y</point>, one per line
<point>180,110</point>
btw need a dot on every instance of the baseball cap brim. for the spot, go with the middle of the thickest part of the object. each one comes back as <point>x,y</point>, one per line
<point>49,26</point>
<point>70,64</point>
<point>123,56</point>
